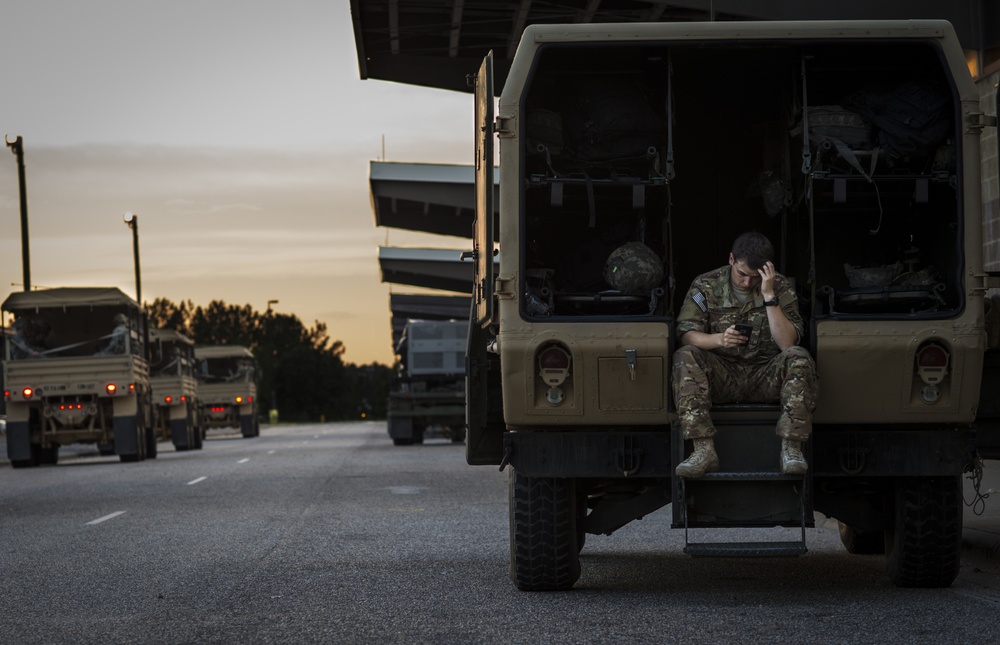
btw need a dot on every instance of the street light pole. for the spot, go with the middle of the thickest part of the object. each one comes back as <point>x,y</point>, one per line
<point>132,220</point>
<point>273,413</point>
<point>17,147</point>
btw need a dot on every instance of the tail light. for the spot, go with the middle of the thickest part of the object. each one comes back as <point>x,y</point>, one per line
<point>932,368</point>
<point>239,399</point>
<point>111,388</point>
<point>27,392</point>
<point>168,399</point>
<point>553,367</point>
<point>932,363</point>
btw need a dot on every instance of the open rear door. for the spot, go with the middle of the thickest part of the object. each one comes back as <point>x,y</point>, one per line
<point>483,405</point>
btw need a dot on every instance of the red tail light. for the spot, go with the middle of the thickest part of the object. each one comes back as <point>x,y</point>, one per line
<point>27,392</point>
<point>168,399</point>
<point>932,356</point>
<point>111,388</point>
<point>553,358</point>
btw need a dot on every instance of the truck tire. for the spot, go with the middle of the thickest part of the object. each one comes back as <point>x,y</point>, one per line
<point>150,432</point>
<point>924,547</point>
<point>544,553</point>
<point>246,426</point>
<point>130,439</point>
<point>861,542</point>
<point>20,450</point>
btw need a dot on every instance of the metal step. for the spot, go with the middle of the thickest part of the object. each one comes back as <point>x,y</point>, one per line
<point>745,549</point>
<point>768,475</point>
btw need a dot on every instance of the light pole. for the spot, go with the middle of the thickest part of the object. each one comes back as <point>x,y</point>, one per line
<point>132,221</point>
<point>273,413</point>
<point>17,147</point>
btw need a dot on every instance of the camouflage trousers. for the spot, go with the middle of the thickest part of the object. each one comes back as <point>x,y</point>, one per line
<point>701,379</point>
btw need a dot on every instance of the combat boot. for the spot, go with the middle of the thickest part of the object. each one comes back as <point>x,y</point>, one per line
<point>793,462</point>
<point>702,460</point>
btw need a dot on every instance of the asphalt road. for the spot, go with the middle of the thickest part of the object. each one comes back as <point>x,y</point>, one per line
<point>330,534</point>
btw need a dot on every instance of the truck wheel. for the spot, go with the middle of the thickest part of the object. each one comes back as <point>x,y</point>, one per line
<point>458,435</point>
<point>246,426</point>
<point>924,548</point>
<point>861,542</point>
<point>400,441</point>
<point>544,553</point>
<point>31,462</point>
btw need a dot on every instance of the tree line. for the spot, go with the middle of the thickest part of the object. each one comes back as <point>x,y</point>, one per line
<point>300,370</point>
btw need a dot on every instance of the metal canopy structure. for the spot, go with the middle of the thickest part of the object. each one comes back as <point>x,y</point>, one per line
<point>439,43</point>
<point>430,198</point>
<point>440,269</point>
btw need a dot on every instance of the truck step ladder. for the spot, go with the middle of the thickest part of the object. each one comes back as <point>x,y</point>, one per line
<point>750,491</point>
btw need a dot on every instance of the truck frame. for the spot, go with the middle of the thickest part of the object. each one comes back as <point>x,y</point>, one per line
<point>174,387</point>
<point>428,393</point>
<point>75,371</point>
<point>227,388</point>
<point>680,136</point>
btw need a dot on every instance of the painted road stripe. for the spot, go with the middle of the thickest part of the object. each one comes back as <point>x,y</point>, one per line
<point>243,461</point>
<point>195,481</point>
<point>106,518</point>
<point>270,452</point>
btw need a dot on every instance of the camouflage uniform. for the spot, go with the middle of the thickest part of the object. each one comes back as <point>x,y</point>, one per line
<point>757,372</point>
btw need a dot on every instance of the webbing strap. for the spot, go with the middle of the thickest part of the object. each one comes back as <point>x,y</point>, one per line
<point>806,153</point>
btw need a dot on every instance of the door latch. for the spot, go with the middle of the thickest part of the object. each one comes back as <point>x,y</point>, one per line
<point>630,361</point>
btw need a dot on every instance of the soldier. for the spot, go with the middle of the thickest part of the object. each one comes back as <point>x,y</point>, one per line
<point>738,329</point>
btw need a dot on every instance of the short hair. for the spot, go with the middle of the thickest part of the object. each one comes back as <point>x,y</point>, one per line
<point>754,248</point>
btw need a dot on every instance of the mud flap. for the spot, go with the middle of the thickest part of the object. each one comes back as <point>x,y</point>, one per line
<point>126,437</point>
<point>179,435</point>
<point>247,426</point>
<point>19,441</point>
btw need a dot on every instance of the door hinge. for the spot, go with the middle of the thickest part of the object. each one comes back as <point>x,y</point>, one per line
<point>976,121</point>
<point>505,126</point>
<point>504,287</point>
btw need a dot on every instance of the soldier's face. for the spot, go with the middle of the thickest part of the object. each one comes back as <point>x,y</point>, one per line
<point>742,276</point>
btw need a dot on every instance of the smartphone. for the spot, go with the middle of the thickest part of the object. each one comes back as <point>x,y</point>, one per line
<point>744,328</point>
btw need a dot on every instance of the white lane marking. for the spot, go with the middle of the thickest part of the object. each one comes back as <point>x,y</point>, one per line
<point>106,517</point>
<point>315,436</point>
<point>195,481</point>
<point>243,461</point>
<point>270,452</point>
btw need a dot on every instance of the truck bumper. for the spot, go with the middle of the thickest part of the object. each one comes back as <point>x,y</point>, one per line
<point>589,454</point>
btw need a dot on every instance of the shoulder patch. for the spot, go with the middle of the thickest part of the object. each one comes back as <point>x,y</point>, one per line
<point>699,299</point>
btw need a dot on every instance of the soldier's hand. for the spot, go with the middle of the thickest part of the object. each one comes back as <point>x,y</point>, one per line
<point>732,338</point>
<point>767,280</point>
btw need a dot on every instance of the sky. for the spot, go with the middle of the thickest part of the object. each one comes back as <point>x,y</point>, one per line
<point>238,132</point>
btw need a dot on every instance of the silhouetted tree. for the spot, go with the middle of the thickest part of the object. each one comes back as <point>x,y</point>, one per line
<point>300,369</point>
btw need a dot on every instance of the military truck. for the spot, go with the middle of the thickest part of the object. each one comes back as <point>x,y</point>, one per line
<point>75,371</point>
<point>227,388</point>
<point>175,389</point>
<point>855,147</point>
<point>427,395</point>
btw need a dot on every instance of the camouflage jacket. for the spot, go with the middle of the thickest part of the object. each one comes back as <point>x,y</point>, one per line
<point>719,309</point>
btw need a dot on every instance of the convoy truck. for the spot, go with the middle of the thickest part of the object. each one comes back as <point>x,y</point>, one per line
<point>75,371</point>
<point>227,388</point>
<point>427,396</point>
<point>855,147</point>
<point>175,389</point>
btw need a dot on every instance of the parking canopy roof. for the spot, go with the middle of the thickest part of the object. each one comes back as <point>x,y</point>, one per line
<point>68,297</point>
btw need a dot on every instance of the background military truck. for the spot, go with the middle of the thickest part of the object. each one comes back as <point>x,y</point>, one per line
<point>856,148</point>
<point>227,388</point>
<point>427,396</point>
<point>175,389</point>
<point>75,371</point>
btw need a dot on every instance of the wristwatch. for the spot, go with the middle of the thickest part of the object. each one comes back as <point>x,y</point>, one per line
<point>773,302</point>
